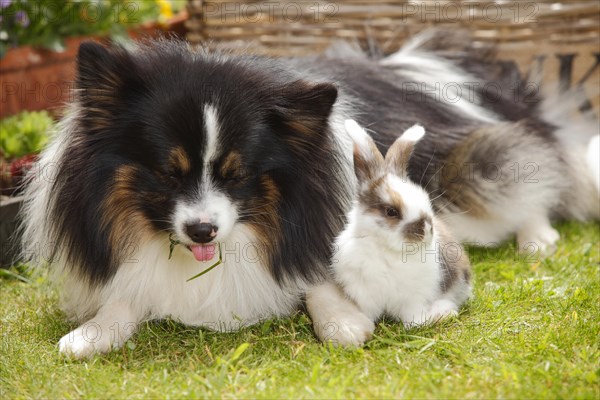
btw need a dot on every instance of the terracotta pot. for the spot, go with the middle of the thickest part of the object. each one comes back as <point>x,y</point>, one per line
<point>36,79</point>
<point>9,235</point>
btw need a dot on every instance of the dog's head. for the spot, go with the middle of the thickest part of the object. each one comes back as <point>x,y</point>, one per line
<point>189,144</point>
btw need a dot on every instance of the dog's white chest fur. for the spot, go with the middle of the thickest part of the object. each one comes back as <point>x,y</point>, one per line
<point>236,293</point>
<point>149,285</point>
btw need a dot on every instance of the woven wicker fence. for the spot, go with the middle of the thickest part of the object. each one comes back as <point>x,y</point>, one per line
<point>564,36</point>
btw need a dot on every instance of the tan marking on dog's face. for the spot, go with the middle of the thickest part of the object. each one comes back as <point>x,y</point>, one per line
<point>179,160</point>
<point>121,214</point>
<point>264,218</point>
<point>231,167</point>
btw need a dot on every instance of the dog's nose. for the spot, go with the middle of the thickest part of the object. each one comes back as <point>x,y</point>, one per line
<point>201,232</point>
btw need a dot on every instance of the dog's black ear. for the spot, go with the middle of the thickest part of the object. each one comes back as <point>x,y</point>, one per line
<point>104,77</point>
<point>99,67</point>
<point>306,106</point>
<point>308,99</point>
<point>304,109</point>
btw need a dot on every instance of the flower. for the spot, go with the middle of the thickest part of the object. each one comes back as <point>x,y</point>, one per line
<point>22,18</point>
<point>166,10</point>
<point>5,3</point>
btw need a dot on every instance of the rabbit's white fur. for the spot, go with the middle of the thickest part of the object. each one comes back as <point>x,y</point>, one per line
<point>378,262</point>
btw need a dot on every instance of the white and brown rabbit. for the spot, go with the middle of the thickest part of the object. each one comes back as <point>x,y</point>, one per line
<point>395,257</point>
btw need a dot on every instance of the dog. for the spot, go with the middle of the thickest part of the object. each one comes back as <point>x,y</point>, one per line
<point>170,160</point>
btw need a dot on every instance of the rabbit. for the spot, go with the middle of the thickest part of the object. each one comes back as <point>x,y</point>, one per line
<point>395,257</point>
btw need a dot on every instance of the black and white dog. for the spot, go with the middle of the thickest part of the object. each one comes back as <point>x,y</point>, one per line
<point>247,156</point>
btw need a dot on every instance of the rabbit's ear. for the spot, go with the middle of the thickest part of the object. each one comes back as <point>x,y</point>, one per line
<point>368,161</point>
<point>398,155</point>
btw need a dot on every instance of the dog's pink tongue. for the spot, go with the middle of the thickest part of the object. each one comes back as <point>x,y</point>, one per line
<point>203,252</point>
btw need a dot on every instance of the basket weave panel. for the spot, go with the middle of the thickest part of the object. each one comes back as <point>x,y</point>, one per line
<point>522,30</point>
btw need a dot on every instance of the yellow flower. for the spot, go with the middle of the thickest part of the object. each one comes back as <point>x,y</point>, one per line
<point>166,10</point>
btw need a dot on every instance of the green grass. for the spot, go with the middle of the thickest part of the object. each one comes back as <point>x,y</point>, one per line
<point>531,331</point>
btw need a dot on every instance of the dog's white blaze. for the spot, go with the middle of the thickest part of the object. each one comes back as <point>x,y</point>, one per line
<point>210,205</point>
<point>211,124</point>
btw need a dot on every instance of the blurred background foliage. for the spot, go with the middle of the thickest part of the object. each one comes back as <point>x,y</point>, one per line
<point>47,23</point>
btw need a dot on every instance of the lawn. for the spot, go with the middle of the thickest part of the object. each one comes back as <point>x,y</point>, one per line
<point>531,331</point>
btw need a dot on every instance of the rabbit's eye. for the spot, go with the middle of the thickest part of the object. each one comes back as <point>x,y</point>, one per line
<point>391,212</point>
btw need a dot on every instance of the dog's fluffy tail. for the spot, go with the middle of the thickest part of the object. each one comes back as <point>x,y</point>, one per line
<point>434,60</point>
<point>440,57</point>
<point>451,60</point>
<point>579,136</point>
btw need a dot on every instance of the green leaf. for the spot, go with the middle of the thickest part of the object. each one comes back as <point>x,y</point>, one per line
<point>24,133</point>
<point>172,244</point>
<point>209,268</point>
<point>8,274</point>
<point>239,351</point>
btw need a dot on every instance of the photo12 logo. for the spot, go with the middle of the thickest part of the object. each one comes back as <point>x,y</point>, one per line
<point>270,11</point>
<point>469,11</point>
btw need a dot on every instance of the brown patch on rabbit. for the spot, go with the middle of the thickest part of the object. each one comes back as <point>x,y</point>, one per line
<point>368,165</point>
<point>415,231</point>
<point>381,199</point>
<point>454,259</point>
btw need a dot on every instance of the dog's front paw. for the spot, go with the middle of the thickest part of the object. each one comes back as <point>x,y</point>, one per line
<point>84,342</point>
<point>350,329</point>
<point>337,319</point>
